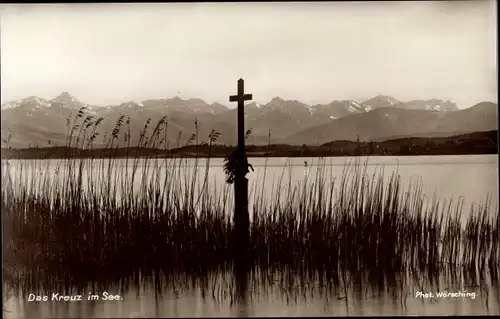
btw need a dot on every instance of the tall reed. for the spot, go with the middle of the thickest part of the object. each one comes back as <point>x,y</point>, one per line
<point>108,221</point>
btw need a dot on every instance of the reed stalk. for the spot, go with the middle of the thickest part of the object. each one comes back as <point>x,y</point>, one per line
<point>107,221</point>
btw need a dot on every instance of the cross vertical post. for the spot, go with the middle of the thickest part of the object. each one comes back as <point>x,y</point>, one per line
<point>241,217</point>
<point>241,97</point>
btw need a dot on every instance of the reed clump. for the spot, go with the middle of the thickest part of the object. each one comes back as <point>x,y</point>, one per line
<point>96,221</point>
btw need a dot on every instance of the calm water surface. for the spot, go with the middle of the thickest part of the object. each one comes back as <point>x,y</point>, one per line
<point>482,298</point>
<point>470,177</point>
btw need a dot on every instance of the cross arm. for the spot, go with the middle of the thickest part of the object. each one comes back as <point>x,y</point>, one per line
<point>244,97</point>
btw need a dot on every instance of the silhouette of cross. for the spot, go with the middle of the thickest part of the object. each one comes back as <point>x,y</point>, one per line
<point>241,217</point>
<point>241,97</point>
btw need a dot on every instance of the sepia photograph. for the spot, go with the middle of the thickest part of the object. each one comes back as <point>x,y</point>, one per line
<point>247,159</point>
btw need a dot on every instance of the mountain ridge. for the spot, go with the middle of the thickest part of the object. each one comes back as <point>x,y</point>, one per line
<point>63,97</point>
<point>29,118</point>
<point>386,122</point>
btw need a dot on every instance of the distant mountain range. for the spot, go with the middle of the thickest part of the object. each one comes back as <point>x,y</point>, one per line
<point>38,122</point>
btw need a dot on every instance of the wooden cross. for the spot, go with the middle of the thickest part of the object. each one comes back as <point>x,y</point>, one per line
<point>241,217</point>
<point>241,97</point>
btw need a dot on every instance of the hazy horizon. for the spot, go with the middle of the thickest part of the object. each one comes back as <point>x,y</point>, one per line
<point>106,54</point>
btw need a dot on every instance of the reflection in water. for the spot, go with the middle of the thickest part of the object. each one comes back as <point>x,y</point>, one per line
<point>354,260</point>
<point>241,278</point>
<point>244,292</point>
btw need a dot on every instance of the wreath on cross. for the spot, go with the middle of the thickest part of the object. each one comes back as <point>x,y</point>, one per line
<point>234,163</point>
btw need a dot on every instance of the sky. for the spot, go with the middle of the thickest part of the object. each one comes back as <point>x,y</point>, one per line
<point>107,54</point>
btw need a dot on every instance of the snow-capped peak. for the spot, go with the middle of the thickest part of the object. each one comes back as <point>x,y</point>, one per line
<point>309,108</point>
<point>33,100</point>
<point>131,104</point>
<point>389,99</point>
<point>11,104</point>
<point>382,101</point>
<point>68,100</point>
<point>276,99</point>
<point>355,107</point>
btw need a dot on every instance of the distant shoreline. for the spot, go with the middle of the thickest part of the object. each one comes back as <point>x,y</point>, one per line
<point>466,144</point>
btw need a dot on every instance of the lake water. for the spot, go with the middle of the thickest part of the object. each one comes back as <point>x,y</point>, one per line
<point>470,177</point>
<point>479,297</point>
